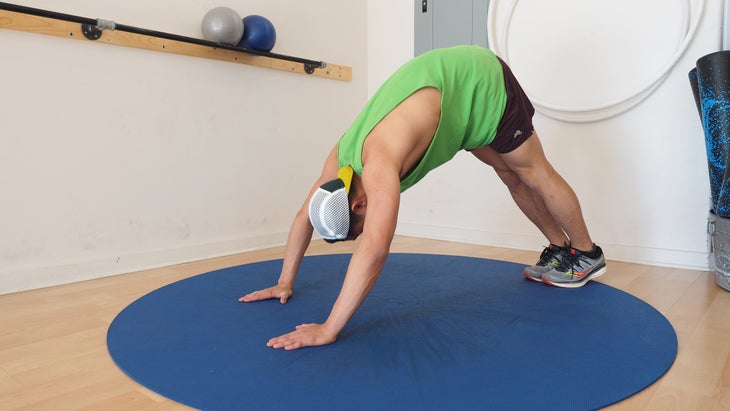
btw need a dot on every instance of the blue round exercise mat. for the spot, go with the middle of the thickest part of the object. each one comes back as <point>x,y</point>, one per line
<point>436,333</point>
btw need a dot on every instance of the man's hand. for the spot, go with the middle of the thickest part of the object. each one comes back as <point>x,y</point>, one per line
<point>282,292</point>
<point>305,335</point>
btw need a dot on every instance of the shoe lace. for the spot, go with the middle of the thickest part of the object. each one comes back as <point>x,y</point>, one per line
<point>547,255</point>
<point>570,261</point>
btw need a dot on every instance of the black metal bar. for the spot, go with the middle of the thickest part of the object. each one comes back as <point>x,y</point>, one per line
<point>308,64</point>
<point>45,13</point>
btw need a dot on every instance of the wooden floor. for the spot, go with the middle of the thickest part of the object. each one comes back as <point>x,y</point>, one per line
<point>53,341</point>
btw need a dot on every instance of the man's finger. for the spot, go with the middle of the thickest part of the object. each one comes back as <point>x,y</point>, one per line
<point>254,296</point>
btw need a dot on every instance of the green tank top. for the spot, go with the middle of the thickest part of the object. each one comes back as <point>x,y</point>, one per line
<point>472,103</point>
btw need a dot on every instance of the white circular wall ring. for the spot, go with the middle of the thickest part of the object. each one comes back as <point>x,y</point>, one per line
<point>691,22</point>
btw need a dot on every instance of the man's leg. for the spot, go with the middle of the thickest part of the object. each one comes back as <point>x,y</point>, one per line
<point>529,163</point>
<point>534,209</point>
<point>584,261</point>
<point>527,200</point>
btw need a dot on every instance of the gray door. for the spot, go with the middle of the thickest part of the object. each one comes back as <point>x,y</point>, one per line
<point>445,23</point>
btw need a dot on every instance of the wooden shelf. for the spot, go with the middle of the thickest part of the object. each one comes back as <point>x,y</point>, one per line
<point>164,42</point>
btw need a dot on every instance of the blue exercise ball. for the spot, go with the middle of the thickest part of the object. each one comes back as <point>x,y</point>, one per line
<point>258,33</point>
<point>222,25</point>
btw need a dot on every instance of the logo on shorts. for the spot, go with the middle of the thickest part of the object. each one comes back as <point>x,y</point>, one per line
<point>517,133</point>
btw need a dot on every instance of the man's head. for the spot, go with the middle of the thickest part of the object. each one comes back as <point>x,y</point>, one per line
<point>330,209</point>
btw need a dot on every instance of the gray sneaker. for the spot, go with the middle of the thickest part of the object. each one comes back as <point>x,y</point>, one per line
<point>576,269</point>
<point>549,259</point>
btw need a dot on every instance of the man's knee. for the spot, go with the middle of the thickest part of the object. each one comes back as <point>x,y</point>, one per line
<point>509,178</point>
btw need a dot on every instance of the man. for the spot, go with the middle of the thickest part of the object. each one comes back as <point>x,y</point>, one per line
<point>439,103</point>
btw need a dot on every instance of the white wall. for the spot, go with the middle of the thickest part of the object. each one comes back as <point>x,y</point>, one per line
<point>390,39</point>
<point>641,176</point>
<point>119,159</point>
<point>116,159</point>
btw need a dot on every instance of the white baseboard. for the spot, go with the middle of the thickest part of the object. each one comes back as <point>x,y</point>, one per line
<point>52,275</point>
<point>618,252</point>
<point>16,280</point>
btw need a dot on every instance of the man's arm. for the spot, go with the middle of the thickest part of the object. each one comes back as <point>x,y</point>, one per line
<point>300,235</point>
<point>383,188</point>
<point>382,184</point>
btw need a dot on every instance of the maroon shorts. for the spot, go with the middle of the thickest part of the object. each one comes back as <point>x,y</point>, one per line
<point>516,124</point>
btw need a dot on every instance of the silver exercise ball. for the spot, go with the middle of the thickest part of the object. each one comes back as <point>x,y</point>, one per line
<point>222,25</point>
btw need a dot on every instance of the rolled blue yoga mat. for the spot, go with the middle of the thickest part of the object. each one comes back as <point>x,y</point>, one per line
<point>710,82</point>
